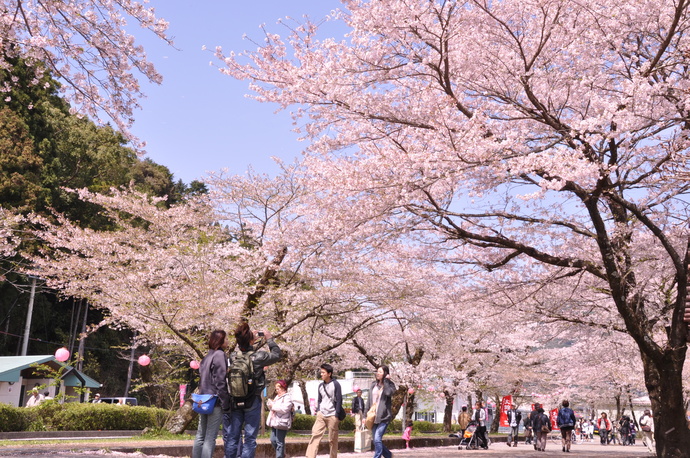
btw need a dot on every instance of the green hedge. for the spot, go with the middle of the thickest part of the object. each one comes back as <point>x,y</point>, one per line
<point>427,427</point>
<point>12,419</point>
<point>51,416</point>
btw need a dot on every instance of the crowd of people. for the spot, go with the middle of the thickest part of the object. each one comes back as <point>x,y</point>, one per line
<point>538,425</point>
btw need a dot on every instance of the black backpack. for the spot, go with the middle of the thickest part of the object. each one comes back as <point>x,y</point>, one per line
<point>241,381</point>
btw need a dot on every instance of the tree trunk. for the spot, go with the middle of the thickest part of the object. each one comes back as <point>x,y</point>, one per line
<point>397,400</point>
<point>448,412</point>
<point>632,411</point>
<point>497,415</point>
<point>618,407</point>
<point>664,380</point>
<point>305,396</point>
<point>177,424</point>
<point>409,410</point>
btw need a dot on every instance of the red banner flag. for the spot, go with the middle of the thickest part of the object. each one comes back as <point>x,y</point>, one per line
<point>506,402</point>
<point>183,393</point>
<point>553,416</point>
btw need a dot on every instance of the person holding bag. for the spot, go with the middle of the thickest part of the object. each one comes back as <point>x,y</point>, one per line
<point>542,427</point>
<point>381,393</point>
<point>280,417</point>
<point>212,373</point>
<point>248,417</point>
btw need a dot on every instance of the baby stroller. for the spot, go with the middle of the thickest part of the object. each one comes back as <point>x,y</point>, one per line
<point>470,440</point>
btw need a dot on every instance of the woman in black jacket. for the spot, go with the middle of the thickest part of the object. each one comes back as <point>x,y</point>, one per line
<point>542,427</point>
<point>380,396</point>
<point>212,372</point>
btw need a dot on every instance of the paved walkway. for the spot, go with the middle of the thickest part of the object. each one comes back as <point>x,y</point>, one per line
<point>522,451</point>
<point>498,449</point>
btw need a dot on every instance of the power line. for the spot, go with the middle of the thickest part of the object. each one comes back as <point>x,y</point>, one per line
<point>49,342</point>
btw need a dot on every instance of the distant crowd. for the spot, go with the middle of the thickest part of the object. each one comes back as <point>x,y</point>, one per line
<point>537,426</point>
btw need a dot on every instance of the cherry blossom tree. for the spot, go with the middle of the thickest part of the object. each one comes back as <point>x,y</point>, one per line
<point>541,142</point>
<point>174,273</point>
<point>84,44</point>
<point>9,240</point>
<point>163,272</point>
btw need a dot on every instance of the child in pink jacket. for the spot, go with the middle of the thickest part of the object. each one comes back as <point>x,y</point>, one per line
<point>407,434</point>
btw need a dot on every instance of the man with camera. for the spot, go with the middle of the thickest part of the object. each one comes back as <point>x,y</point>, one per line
<point>245,412</point>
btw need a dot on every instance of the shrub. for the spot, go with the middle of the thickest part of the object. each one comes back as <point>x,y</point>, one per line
<point>89,417</point>
<point>395,426</point>
<point>427,427</point>
<point>52,416</point>
<point>13,418</point>
<point>303,422</point>
<point>348,424</point>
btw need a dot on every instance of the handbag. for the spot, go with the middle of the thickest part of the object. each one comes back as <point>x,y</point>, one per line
<point>203,403</point>
<point>371,417</point>
<point>545,428</point>
<point>362,441</point>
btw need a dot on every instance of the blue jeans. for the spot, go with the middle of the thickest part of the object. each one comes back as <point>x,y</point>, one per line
<point>232,430</point>
<point>278,441</point>
<point>205,440</point>
<point>380,449</point>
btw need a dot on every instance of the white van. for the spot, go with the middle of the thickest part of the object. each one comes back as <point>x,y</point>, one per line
<point>119,401</point>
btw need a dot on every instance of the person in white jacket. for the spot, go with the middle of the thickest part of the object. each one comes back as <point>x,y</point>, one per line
<point>647,428</point>
<point>35,399</point>
<point>280,417</point>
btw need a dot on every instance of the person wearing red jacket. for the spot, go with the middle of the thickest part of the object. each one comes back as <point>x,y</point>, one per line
<point>604,425</point>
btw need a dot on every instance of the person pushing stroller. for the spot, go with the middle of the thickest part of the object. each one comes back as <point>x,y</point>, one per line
<point>479,418</point>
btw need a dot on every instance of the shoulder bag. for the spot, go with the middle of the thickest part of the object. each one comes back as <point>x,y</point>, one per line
<point>203,403</point>
<point>371,417</point>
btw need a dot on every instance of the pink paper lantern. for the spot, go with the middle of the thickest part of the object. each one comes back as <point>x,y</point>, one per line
<point>62,354</point>
<point>194,364</point>
<point>144,360</point>
<point>410,391</point>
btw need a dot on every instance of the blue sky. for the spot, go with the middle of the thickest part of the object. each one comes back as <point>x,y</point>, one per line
<point>199,120</point>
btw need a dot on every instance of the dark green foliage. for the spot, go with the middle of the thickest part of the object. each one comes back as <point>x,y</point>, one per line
<point>13,418</point>
<point>51,416</point>
<point>302,422</point>
<point>44,149</point>
<point>427,427</point>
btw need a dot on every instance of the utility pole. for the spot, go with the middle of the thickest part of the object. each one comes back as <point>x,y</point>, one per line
<point>29,315</point>
<point>130,369</point>
<point>82,338</point>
